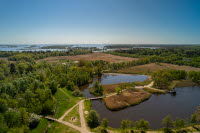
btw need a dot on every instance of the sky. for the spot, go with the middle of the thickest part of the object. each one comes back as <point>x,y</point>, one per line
<point>100,21</point>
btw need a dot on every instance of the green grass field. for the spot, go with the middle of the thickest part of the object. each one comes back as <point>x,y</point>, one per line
<point>60,128</point>
<point>73,114</point>
<point>65,100</point>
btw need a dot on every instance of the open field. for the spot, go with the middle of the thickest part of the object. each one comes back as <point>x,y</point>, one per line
<point>65,100</point>
<point>126,98</point>
<point>90,57</point>
<point>73,117</point>
<point>152,67</point>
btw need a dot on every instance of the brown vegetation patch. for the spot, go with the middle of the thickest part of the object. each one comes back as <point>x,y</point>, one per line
<point>126,98</point>
<point>152,67</point>
<point>4,59</point>
<point>90,57</point>
<point>110,88</point>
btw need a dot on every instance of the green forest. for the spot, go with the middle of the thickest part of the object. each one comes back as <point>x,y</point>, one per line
<point>30,90</point>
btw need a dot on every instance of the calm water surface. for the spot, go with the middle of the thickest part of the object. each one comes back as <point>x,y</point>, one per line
<point>113,79</point>
<point>155,109</point>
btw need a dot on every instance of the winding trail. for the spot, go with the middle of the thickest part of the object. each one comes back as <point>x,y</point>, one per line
<point>145,86</point>
<point>83,128</point>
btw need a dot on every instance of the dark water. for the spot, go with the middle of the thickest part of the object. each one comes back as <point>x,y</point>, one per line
<point>154,110</point>
<point>113,79</point>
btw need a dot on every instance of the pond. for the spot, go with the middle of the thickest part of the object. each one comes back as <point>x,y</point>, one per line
<point>182,105</point>
<point>112,78</point>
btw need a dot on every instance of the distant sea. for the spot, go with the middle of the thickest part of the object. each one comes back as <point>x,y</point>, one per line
<point>45,47</point>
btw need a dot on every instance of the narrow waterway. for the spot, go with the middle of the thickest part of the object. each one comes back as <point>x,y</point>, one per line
<point>182,105</point>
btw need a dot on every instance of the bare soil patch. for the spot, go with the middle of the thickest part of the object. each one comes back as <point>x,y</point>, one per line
<point>152,67</point>
<point>126,98</point>
<point>90,57</point>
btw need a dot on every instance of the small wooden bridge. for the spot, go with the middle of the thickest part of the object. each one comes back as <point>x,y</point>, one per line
<point>96,98</point>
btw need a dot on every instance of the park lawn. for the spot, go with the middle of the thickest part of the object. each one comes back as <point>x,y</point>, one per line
<point>87,107</point>
<point>65,100</point>
<point>73,114</point>
<point>60,128</point>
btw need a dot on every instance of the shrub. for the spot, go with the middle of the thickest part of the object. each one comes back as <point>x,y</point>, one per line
<point>77,93</point>
<point>167,122</point>
<point>104,123</point>
<point>3,106</point>
<point>142,124</point>
<point>97,89</point>
<point>126,124</point>
<point>93,119</point>
<point>178,123</point>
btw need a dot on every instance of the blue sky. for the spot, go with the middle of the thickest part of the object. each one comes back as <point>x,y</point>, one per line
<point>99,21</point>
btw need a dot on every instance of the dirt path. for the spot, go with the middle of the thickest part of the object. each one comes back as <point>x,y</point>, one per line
<point>67,112</point>
<point>66,123</point>
<point>82,118</point>
<point>145,86</point>
<point>83,128</point>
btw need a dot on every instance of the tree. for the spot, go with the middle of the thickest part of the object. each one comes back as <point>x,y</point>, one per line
<point>125,124</point>
<point>12,119</point>
<point>70,85</point>
<point>24,116</point>
<point>3,106</point>
<point>98,89</point>
<point>3,126</point>
<point>93,119</point>
<point>48,107</point>
<point>179,123</point>
<point>12,68</point>
<point>77,93</point>
<point>53,86</point>
<point>162,79</point>
<point>193,118</point>
<point>142,124</point>
<point>104,123</point>
<point>167,123</point>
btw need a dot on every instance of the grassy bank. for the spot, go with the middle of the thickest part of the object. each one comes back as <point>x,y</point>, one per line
<point>155,91</point>
<point>181,83</point>
<point>65,100</point>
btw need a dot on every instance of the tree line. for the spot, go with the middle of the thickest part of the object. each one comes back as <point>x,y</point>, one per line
<point>35,55</point>
<point>163,78</point>
<point>189,56</point>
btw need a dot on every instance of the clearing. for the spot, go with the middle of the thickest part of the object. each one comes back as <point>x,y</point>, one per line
<point>152,67</point>
<point>90,57</point>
